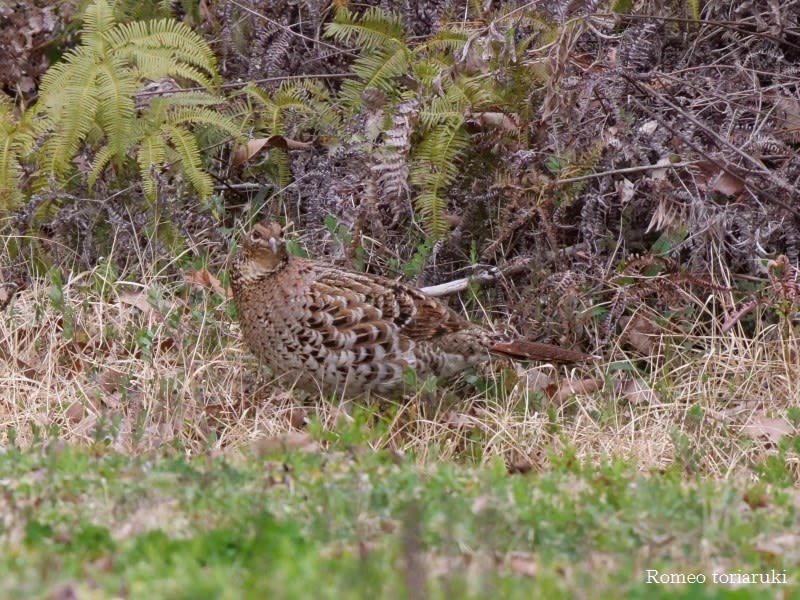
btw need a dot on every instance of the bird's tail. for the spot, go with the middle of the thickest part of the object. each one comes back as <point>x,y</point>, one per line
<point>524,350</point>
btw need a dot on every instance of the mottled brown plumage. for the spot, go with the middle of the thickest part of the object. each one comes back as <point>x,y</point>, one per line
<point>336,330</point>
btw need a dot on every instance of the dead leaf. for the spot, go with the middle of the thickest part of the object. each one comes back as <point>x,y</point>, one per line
<point>636,391</point>
<point>560,394</point>
<point>205,279</point>
<point>457,419</point>
<point>625,190</point>
<point>785,546</point>
<point>497,120</point>
<point>762,426</point>
<point>523,563</point>
<point>710,176</point>
<point>728,184</point>
<point>7,291</point>
<point>787,112</point>
<point>661,174</point>
<point>74,412</point>
<point>538,378</point>
<point>640,332</point>
<point>519,467</point>
<point>293,441</point>
<point>137,300</point>
<point>247,151</point>
<point>298,417</point>
<point>649,127</point>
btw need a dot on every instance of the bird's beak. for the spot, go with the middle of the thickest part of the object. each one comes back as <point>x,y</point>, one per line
<point>273,245</point>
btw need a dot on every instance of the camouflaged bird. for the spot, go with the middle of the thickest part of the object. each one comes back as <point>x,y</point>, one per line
<point>331,329</point>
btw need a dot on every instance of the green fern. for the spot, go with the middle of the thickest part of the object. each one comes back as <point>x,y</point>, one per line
<point>88,99</point>
<point>16,139</point>
<point>271,110</point>
<point>294,107</point>
<point>387,62</point>
<point>384,56</point>
<point>435,168</point>
<point>694,10</point>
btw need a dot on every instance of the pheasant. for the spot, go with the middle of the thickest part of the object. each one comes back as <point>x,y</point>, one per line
<point>331,329</point>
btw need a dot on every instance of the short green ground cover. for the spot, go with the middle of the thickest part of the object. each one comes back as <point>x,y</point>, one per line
<point>347,522</point>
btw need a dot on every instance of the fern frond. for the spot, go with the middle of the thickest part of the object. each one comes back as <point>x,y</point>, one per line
<point>461,96</point>
<point>155,64</point>
<point>288,97</point>
<point>75,122</point>
<point>435,168</point>
<point>205,116</point>
<point>90,96</point>
<point>188,154</point>
<point>375,70</point>
<point>98,18</point>
<point>278,168</point>
<point>378,69</point>
<point>302,97</point>
<point>151,154</point>
<point>375,29</point>
<point>115,110</point>
<point>694,10</point>
<point>101,160</point>
<point>77,69</point>
<point>183,45</point>
<point>16,138</point>
<point>451,41</point>
<point>191,98</point>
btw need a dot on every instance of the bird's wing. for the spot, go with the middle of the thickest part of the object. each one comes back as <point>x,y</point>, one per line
<point>351,299</point>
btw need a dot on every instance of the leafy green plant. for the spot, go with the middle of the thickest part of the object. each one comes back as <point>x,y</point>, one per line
<point>17,134</point>
<point>295,107</point>
<point>424,74</point>
<point>94,97</point>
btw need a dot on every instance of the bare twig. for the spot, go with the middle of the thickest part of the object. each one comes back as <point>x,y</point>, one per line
<point>495,273</point>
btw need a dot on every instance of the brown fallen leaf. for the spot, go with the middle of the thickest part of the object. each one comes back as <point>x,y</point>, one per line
<point>560,394</point>
<point>538,378</point>
<point>247,151</point>
<point>204,279</point>
<point>762,426</point>
<point>74,412</point>
<point>298,417</point>
<point>137,300</point>
<point>641,333</point>
<point>292,441</point>
<point>637,391</point>
<point>787,111</point>
<point>710,176</point>
<point>522,563</point>
<point>7,291</point>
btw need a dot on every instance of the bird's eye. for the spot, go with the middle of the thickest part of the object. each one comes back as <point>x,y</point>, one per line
<point>255,235</point>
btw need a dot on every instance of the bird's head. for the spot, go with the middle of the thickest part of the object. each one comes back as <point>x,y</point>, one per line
<point>263,251</point>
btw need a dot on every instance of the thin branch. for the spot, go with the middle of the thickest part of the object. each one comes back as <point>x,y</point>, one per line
<point>496,273</point>
<point>655,167</point>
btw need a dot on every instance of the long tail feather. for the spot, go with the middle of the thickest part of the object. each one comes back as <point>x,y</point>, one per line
<point>523,350</point>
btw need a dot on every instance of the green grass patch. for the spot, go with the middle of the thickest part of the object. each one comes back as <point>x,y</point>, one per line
<point>352,523</point>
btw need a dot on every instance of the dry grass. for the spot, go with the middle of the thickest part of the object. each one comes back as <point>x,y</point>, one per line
<point>161,363</point>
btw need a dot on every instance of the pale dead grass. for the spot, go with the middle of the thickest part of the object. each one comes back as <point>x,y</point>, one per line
<point>725,396</point>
